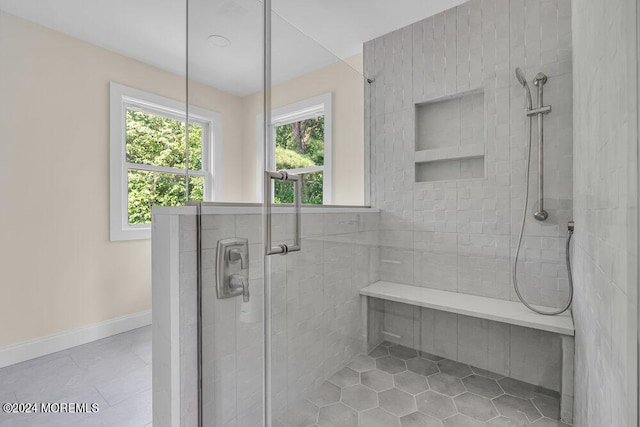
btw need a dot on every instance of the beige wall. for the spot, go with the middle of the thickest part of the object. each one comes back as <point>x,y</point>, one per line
<point>345,82</point>
<point>59,269</point>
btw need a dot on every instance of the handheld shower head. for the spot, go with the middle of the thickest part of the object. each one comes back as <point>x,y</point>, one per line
<point>520,76</point>
<point>523,81</point>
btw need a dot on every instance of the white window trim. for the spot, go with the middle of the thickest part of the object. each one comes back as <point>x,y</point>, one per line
<point>301,110</point>
<point>122,97</point>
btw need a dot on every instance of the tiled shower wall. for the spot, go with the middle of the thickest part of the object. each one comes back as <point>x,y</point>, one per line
<point>317,318</point>
<point>525,354</point>
<point>460,235</point>
<point>605,205</point>
<point>317,325</point>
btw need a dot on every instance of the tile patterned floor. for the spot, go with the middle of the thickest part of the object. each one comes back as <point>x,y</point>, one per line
<point>396,386</point>
<point>393,386</point>
<point>114,372</point>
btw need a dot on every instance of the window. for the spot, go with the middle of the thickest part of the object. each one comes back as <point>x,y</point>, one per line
<point>149,164</point>
<point>301,144</point>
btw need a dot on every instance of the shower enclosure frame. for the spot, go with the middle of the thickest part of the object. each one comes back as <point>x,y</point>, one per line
<point>266,206</point>
<point>267,325</point>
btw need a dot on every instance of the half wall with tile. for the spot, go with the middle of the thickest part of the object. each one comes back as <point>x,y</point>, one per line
<point>315,311</point>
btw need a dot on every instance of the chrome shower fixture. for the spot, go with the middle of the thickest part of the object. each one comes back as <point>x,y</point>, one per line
<point>541,214</point>
<point>540,78</point>
<point>523,81</point>
<point>539,111</point>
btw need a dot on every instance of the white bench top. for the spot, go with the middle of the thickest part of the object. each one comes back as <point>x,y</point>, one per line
<point>499,310</point>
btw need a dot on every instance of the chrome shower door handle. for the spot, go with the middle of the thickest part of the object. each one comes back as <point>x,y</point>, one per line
<point>283,248</point>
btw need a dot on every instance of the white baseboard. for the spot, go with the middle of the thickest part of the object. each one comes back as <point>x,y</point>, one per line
<point>25,350</point>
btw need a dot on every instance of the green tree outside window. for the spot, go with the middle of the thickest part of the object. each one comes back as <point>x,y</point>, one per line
<point>300,145</point>
<point>160,141</point>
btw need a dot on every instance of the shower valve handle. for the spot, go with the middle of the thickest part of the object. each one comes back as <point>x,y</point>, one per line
<point>236,255</point>
<point>244,285</point>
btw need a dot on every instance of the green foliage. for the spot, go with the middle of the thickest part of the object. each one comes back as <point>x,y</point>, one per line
<point>290,155</point>
<point>312,189</point>
<point>159,141</point>
<point>290,159</point>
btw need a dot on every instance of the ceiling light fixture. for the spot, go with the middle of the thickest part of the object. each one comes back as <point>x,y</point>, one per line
<point>218,40</point>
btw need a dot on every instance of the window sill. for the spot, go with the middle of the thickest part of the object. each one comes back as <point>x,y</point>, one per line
<point>257,208</point>
<point>143,233</point>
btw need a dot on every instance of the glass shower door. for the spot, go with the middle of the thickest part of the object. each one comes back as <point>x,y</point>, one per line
<point>318,255</point>
<point>223,385</point>
<point>263,353</point>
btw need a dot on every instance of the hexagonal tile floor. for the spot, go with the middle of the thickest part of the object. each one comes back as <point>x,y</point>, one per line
<point>396,386</point>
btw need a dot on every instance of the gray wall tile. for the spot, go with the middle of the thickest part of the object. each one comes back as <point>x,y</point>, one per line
<point>473,46</point>
<point>605,205</point>
<point>316,325</point>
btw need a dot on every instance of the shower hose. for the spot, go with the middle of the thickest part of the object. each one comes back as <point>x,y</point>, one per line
<point>567,252</point>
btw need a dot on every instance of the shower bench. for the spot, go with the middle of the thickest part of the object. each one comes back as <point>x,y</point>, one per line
<point>510,312</point>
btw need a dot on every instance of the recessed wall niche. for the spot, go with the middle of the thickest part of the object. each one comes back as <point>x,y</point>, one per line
<point>450,138</point>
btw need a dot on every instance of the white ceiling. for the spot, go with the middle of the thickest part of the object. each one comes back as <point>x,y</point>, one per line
<point>307,34</point>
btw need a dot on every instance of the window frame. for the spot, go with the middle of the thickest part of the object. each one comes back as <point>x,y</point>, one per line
<point>123,98</point>
<point>301,110</point>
